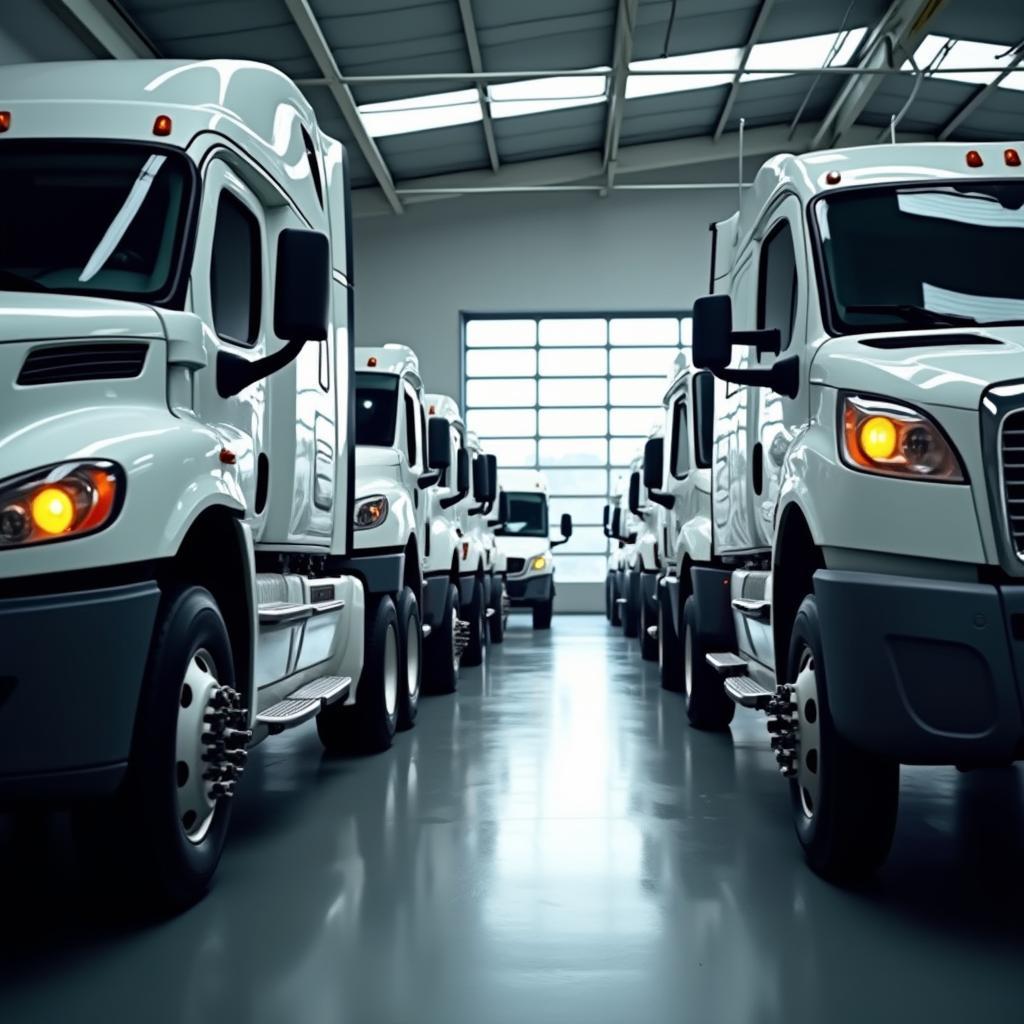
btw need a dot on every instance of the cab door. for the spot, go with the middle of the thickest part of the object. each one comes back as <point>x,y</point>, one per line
<point>413,446</point>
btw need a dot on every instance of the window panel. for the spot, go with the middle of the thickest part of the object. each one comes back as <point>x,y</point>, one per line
<point>642,362</point>
<point>638,390</point>
<point>516,479</point>
<point>502,422</point>
<point>584,511</point>
<point>569,391</point>
<point>573,451</point>
<point>580,568</point>
<point>518,452</point>
<point>507,392</point>
<point>573,362</point>
<point>636,421</point>
<point>501,333</point>
<point>645,330</point>
<point>573,422</point>
<point>573,332</point>
<point>625,449</point>
<point>571,482</point>
<point>501,363</point>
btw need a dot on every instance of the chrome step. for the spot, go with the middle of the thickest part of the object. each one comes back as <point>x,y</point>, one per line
<point>726,664</point>
<point>326,688</point>
<point>759,611</point>
<point>305,702</point>
<point>747,692</point>
<point>278,613</point>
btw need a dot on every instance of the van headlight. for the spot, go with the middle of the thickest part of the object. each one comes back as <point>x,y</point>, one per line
<point>877,436</point>
<point>371,512</point>
<point>59,502</point>
<point>539,563</point>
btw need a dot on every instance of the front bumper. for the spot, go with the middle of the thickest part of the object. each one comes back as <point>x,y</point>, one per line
<point>71,670</point>
<point>530,590</point>
<point>924,671</point>
<point>380,572</point>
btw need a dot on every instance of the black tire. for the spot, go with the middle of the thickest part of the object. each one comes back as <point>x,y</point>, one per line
<point>670,647</point>
<point>707,704</point>
<point>475,613</point>
<point>848,831</point>
<point>542,614</point>
<point>442,675</point>
<point>410,676</point>
<point>138,841</point>
<point>369,725</point>
<point>648,643</point>
<point>631,609</point>
<point>499,620</point>
<point>609,597</point>
<point>616,585</point>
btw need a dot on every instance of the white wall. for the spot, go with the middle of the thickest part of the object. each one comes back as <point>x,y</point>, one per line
<point>631,252</point>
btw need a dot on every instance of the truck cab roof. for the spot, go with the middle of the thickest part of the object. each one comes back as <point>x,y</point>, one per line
<point>389,358</point>
<point>442,405</point>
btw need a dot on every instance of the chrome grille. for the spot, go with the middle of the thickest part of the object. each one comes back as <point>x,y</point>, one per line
<point>1011,443</point>
<point>62,364</point>
<point>516,565</point>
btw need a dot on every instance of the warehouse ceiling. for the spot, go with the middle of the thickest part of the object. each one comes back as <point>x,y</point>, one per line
<point>441,96</point>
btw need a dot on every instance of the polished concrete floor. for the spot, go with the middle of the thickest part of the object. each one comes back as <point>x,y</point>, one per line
<point>553,844</point>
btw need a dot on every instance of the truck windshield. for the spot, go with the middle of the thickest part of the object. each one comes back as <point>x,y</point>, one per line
<point>376,409</point>
<point>93,218</point>
<point>935,256</point>
<point>527,515</point>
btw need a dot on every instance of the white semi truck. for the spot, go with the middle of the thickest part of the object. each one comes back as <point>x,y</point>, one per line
<point>176,456</point>
<point>867,591</point>
<point>648,562</point>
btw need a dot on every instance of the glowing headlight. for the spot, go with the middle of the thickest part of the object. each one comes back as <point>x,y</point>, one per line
<point>538,563</point>
<point>69,500</point>
<point>371,512</point>
<point>895,440</point>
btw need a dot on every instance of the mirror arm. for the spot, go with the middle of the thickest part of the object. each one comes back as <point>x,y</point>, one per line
<point>453,499</point>
<point>662,499</point>
<point>235,373</point>
<point>559,543</point>
<point>783,377</point>
<point>478,511</point>
<point>425,480</point>
<point>767,341</point>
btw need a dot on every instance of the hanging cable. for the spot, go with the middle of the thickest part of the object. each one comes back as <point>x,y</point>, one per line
<point>668,32</point>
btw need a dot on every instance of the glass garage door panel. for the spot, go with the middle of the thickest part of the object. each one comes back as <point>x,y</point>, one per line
<point>574,397</point>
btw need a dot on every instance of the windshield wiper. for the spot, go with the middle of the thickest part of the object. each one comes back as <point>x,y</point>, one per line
<point>916,315</point>
<point>12,282</point>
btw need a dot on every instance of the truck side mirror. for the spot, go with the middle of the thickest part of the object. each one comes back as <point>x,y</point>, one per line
<point>606,520</point>
<point>462,481</point>
<point>713,341</point>
<point>704,418</point>
<point>565,526</point>
<point>616,525</point>
<point>480,479</point>
<point>634,493</point>
<point>654,472</point>
<point>492,480</point>
<point>439,444</point>
<point>302,292</point>
<point>504,512</point>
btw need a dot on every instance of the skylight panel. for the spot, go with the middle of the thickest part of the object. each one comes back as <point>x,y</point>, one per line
<point>807,53</point>
<point>420,113</point>
<point>936,52</point>
<point>657,85</point>
<point>513,99</point>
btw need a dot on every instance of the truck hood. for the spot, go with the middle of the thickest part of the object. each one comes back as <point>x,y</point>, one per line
<point>936,367</point>
<point>38,316</point>
<point>521,547</point>
<point>374,458</point>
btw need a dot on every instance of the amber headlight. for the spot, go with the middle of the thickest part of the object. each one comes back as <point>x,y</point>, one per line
<point>539,563</point>
<point>895,440</point>
<point>371,512</point>
<point>59,502</point>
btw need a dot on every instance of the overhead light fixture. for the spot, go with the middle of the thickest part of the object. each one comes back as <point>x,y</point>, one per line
<point>422,113</point>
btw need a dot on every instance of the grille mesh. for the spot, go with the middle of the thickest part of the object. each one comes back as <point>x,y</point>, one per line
<point>1012,451</point>
<point>516,565</point>
<point>61,364</point>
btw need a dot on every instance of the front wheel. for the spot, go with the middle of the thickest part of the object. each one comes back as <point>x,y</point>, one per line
<point>368,726</point>
<point>648,643</point>
<point>498,622</point>
<point>614,586</point>
<point>409,681</point>
<point>542,614</point>
<point>707,704</point>
<point>476,616</point>
<point>631,609</point>
<point>844,800</point>
<point>444,647</point>
<point>670,650</point>
<point>162,836</point>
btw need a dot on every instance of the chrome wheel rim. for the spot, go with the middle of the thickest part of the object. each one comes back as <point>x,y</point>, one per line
<point>455,640</point>
<point>688,660</point>
<point>391,670</point>
<point>195,800</point>
<point>412,657</point>
<point>808,746</point>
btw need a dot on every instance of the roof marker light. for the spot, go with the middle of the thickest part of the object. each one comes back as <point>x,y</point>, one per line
<point>5,120</point>
<point>372,361</point>
<point>162,125</point>
<point>433,409</point>
<point>833,178</point>
<point>1012,158</point>
<point>974,159</point>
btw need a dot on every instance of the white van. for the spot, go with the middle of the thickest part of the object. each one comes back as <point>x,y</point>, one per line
<point>867,333</point>
<point>175,459</point>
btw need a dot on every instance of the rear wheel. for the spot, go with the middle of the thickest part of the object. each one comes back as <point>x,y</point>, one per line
<point>648,618</point>
<point>498,622</point>
<point>442,654</point>
<point>844,800</point>
<point>707,704</point>
<point>476,614</point>
<point>368,726</point>
<point>616,586</point>
<point>631,609</point>
<point>542,614</point>
<point>409,682</point>
<point>670,649</point>
<point>161,837</point>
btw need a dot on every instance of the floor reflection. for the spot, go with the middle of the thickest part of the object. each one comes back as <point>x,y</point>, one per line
<point>552,844</point>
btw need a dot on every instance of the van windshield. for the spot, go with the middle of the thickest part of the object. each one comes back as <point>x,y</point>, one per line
<point>376,409</point>
<point>93,218</point>
<point>934,256</point>
<point>527,515</point>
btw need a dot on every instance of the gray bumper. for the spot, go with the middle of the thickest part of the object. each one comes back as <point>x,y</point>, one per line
<point>434,591</point>
<point>71,669</point>
<point>379,573</point>
<point>924,671</point>
<point>531,590</point>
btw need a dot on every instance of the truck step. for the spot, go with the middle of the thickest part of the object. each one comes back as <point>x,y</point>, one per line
<point>305,702</point>
<point>278,613</point>
<point>759,611</point>
<point>747,692</point>
<point>726,663</point>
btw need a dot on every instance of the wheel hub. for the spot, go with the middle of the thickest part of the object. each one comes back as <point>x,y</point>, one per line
<point>461,631</point>
<point>412,657</point>
<point>796,732</point>
<point>391,671</point>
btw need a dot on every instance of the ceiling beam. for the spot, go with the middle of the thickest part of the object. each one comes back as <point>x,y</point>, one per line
<point>755,33</point>
<point>887,45</point>
<point>979,97</point>
<point>104,28</point>
<point>311,31</point>
<point>625,25</point>
<point>477,64</point>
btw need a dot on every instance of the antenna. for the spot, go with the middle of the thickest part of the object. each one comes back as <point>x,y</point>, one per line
<point>739,184</point>
<point>892,129</point>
